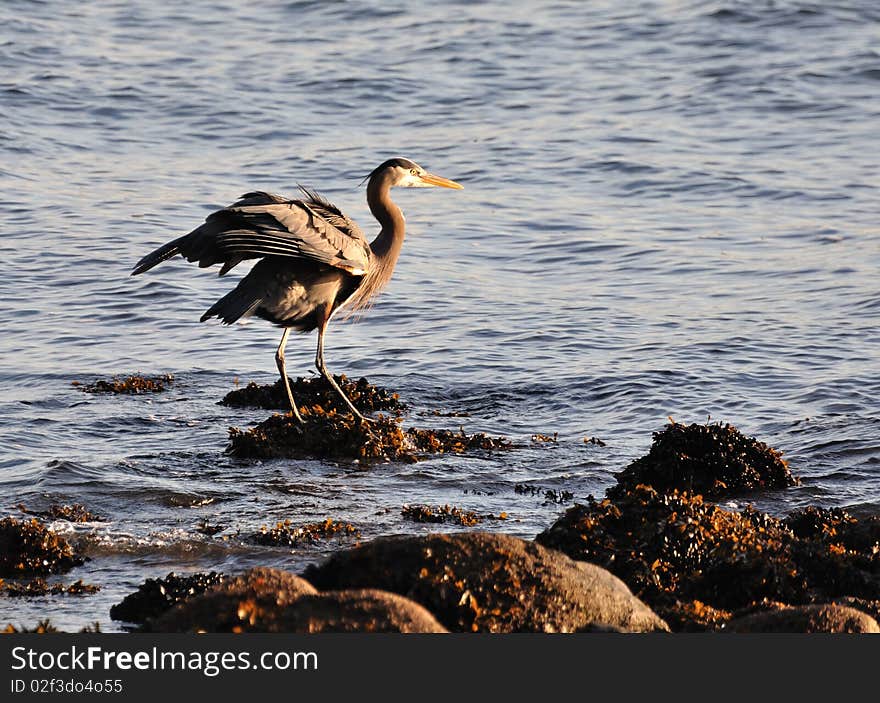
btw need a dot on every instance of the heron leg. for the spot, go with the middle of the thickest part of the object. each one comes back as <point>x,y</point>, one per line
<point>279,360</point>
<point>322,367</point>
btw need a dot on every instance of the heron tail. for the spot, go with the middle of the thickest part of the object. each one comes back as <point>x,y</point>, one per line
<point>240,302</point>
<point>166,251</point>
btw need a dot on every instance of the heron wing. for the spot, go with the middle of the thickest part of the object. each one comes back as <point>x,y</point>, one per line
<point>262,224</point>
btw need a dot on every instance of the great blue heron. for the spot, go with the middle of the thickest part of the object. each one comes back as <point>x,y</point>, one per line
<point>313,259</point>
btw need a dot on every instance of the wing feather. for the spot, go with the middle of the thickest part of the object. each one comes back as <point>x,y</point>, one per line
<point>262,224</point>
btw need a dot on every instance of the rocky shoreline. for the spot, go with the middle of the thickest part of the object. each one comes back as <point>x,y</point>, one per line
<point>655,554</point>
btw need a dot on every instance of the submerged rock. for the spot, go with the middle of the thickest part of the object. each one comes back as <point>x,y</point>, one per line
<point>129,385</point>
<point>806,618</point>
<point>332,435</point>
<point>479,582</point>
<point>694,562</point>
<point>311,392</point>
<point>155,596</point>
<point>27,547</point>
<point>707,459</point>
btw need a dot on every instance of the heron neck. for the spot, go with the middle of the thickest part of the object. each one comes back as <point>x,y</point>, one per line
<point>390,240</point>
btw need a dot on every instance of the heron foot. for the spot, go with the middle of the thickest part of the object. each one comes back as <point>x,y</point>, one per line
<point>300,423</point>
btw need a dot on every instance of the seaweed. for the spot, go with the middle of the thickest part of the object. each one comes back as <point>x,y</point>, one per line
<point>316,392</point>
<point>550,495</point>
<point>71,513</point>
<point>334,435</point>
<point>130,385</point>
<point>447,514</point>
<point>39,587</point>
<point>675,550</point>
<point>28,547</point>
<point>286,534</point>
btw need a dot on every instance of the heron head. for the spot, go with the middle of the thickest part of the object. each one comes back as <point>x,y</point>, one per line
<point>408,174</point>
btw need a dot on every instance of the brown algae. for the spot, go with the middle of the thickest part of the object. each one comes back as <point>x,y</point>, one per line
<point>28,547</point>
<point>707,459</point>
<point>695,563</point>
<point>287,535</point>
<point>316,392</point>
<point>71,513</point>
<point>448,514</point>
<point>130,385</point>
<point>334,435</point>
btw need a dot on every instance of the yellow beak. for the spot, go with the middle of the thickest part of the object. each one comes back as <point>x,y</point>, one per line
<point>433,180</point>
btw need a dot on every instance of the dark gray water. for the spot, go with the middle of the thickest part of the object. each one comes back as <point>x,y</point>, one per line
<point>670,208</point>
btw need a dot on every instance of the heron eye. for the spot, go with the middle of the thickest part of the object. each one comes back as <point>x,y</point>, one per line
<point>414,171</point>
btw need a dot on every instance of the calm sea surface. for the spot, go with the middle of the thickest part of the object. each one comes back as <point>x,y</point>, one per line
<point>670,209</point>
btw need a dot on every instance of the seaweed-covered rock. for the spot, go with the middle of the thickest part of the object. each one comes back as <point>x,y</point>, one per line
<point>129,385</point>
<point>155,596</point>
<point>27,547</point>
<point>707,459</point>
<point>675,546</point>
<point>806,618</point>
<point>286,534</point>
<point>248,602</point>
<point>836,526</point>
<point>694,562</point>
<point>71,513</point>
<point>312,392</point>
<point>333,435</point>
<point>40,587</point>
<point>479,582</point>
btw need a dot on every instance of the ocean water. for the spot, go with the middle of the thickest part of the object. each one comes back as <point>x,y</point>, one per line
<point>670,210</point>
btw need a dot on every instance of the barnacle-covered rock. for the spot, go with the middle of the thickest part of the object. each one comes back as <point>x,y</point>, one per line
<point>709,459</point>
<point>479,582</point>
<point>312,392</point>
<point>334,435</point>
<point>155,596</point>
<point>28,547</point>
